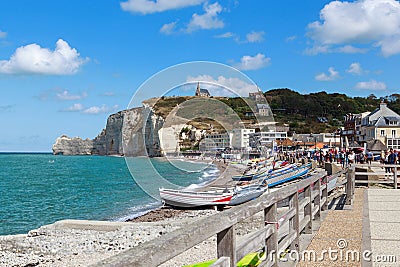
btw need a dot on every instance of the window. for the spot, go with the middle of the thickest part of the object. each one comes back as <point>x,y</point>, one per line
<point>393,133</point>
<point>382,132</point>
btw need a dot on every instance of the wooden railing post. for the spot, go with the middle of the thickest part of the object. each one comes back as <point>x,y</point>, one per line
<point>226,244</point>
<point>271,250</point>
<point>294,223</point>
<point>349,186</point>
<point>308,210</point>
<point>325,193</point>
<point>317,200</point>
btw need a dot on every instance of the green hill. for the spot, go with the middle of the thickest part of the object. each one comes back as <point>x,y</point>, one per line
<point>298,111</point>
<point>301,112</point>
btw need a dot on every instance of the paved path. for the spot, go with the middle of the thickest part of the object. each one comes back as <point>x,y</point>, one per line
<point>384,221</point>
<point>366,234</point>
<point>339,235</point>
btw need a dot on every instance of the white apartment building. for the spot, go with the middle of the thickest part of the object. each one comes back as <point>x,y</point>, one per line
<point>266,139</point>
<point>327,138</point>
<point>215,141</point>
<point>240,138</point>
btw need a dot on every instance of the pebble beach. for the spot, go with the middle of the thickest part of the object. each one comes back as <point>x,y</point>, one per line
<point>83,243</point>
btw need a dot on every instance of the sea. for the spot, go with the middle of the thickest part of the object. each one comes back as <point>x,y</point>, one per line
<point>38,189</point>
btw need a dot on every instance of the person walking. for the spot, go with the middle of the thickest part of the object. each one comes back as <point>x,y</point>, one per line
<point>342,158</point>
<point>391,159</point>
<point>370,156</point>
<point>385,162</point>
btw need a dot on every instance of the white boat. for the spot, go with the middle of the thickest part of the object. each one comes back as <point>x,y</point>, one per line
<point>188,199</point>
<point>246,193</point>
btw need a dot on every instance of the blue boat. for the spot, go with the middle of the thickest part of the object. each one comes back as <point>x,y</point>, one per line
<point>250,176</point>
<point>286,175</point>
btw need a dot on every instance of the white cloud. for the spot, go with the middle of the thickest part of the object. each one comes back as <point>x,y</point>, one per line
<point>101,109</point>
<point>333,75</point>
<point>326,49</point>
<point>60,94</point>
<point>291,38</point>
<point>349,49</point>
<point>33,59</point>
<point>208,20</point>
<point>225,35</point>
<point>168,28</point>
<point>91,110</point>
<point>65,95</point>
<point>3,34</point>
<point>317,49</point>
<point>253,63</point>
<point>74,108</point>
<point>255,37</point>
<point>355,68</point>
<point>375,22</point>
<point>251,37</point>
<point>371,85</point>
<point>149,6</point>
<point>390,46</point>
<point>230,86</point>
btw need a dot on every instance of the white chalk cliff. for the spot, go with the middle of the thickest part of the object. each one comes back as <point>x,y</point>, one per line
<point>132,132</point>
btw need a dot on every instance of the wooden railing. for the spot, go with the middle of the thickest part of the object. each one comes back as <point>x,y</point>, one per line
<point>391,177</point>
<point>302,212</point>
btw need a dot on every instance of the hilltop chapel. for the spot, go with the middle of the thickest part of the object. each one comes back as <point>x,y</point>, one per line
<point>201,92</point>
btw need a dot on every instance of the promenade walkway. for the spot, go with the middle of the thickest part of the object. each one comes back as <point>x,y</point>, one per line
<point>384,221</point>
<point>365,234</point>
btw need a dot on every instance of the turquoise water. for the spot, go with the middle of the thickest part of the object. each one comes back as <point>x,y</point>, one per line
<point>38,189</point>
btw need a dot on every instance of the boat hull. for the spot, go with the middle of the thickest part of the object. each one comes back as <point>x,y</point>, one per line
<point>246,196</point>
<point>184,199</point>
<point>291,174</point>
<point>249,177</point>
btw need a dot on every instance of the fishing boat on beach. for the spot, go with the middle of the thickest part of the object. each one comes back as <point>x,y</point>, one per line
<point>232,196</point>
<point>189,199</point>
<point>251,176</point>
<point>247,193</point>
<point>264,168</point>
<point>252,191</point>
<point>286,174</point>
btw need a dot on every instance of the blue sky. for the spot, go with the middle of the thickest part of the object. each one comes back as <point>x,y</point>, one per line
<point>66,65</point>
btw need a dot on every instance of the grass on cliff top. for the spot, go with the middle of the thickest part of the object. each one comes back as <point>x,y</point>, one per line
<point>203,112</point>
<point>164,105</point>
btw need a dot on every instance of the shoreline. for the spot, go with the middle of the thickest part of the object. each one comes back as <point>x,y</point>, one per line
<point>226,171</point>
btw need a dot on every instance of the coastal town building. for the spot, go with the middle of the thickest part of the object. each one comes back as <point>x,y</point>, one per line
<point>265,139</point>
<point>382,124</point>
<point>201,92</point>
<point>263,110</point>
<point>352,127</point>
<point>257,96</point>
<point>215,141</point>
<point>313,140</point>
<point>240,138</point>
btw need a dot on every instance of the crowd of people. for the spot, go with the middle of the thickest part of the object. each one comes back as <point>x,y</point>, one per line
<point>347,157</point>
